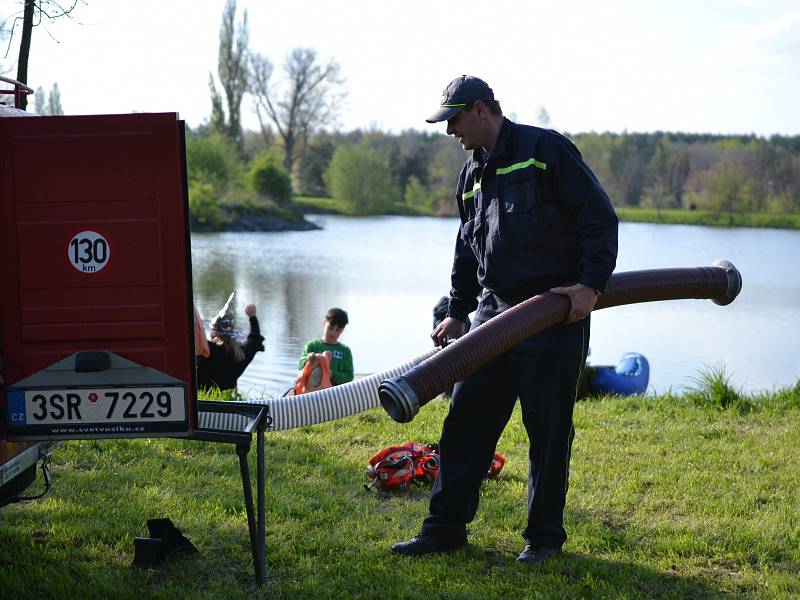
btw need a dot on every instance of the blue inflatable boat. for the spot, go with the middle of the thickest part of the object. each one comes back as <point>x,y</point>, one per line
<point>630,376</point>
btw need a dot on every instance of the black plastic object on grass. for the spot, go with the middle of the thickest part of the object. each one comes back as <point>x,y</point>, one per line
<point>165,539</point>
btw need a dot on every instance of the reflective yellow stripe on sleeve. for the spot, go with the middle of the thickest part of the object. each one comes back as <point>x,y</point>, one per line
<point>471,193</point>
<point>522,165</point>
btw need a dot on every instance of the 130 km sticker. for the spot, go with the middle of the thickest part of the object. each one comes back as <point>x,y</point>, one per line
<point>88,252</point>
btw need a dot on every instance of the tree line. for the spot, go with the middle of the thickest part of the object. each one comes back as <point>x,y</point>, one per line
<point>373,172</point>
<point>723,173</point>
<point>299,151</point>
<point>650,170</point>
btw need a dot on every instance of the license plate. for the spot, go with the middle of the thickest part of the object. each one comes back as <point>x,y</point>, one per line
<point>99,405</point>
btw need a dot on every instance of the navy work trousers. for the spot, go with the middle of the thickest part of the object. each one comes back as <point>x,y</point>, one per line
<point>543,372</point>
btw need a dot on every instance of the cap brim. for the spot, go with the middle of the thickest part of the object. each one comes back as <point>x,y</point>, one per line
<point>444,113</point>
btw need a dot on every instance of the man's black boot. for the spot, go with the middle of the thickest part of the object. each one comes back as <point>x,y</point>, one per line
<point>424,544</point>
<point>537,555</point>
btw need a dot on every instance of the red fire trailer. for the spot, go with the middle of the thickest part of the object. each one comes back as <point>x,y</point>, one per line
<point>96,312</point>
<point>96,319</point>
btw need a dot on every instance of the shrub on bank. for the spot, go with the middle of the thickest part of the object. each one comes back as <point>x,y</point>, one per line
<point>213,159</point>
<point>267,176</point>
<point>203,205</point>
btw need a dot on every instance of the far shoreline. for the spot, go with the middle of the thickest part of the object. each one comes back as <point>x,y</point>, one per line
<point>257,222</point>
<point>264,222</point>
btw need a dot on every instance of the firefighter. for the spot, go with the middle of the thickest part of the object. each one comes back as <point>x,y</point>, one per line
<point>533,219</point>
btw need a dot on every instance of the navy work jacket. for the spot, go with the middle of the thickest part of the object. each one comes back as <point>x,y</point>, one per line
<point>533,217</point>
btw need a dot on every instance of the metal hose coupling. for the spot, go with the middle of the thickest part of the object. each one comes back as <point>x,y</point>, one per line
<point>734,282</point>
<point>402,396</point>
<point>399,399</point>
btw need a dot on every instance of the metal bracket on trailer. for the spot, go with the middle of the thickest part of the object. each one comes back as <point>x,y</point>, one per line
<point>235,423</point>
<point>15,468</point>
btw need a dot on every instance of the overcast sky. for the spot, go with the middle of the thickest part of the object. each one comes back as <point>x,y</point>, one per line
<point>718,66</point>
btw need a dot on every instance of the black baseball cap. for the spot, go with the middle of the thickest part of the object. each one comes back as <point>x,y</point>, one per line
<point>459,93</point>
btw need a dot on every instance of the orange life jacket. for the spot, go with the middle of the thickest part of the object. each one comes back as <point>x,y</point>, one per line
<point>315,376</point>
<point>395,468</point>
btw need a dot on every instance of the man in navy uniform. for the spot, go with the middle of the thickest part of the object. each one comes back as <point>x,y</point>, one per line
<point>533,219</point>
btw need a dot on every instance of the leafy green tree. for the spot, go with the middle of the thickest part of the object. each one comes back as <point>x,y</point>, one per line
<point>595,149</point>
<point>255,143</point>
<point>409,154</point>
<point>443,175</point>
<point>417,196</point>
<point>360,178</point>
<point>314,163</point>
<point>203,205</point>
<point>213,158</point>
<point>679,168</point>
<point>730,190</point>
<point>781,203</point>
<point>267,177</point>
<point>659,191</point>
<point>218,122</point>
<point>628,161</point>
<point>232,73</point>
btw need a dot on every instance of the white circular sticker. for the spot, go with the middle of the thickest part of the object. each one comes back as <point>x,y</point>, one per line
<point>88,252</point>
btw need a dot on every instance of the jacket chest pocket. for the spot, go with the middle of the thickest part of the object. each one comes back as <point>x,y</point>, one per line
<point>519,221</point>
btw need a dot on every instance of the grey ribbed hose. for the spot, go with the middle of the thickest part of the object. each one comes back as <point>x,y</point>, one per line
<point>329,404</point>
<point>402,396</point>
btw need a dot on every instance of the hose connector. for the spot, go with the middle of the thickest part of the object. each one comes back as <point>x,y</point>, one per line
<point>734,282</point>
<point>398,399</point>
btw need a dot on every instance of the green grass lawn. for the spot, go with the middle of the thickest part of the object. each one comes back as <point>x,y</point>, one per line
<point>317,205</point>
<point>705,217</point>
<point>691,496</point>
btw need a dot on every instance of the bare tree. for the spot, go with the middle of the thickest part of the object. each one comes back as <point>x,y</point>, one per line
<point>308,100</point>
<point>232,73</point>
<point>260,74</point>
<point>33,14</point>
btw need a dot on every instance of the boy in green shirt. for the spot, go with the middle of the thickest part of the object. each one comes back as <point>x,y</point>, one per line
<point>341,359</point>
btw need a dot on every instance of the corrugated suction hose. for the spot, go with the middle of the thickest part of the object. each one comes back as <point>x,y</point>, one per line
<point>402,396</point>
<point>329,404</point>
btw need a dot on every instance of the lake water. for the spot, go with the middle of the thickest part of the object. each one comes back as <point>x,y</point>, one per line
<point>388,272</point>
